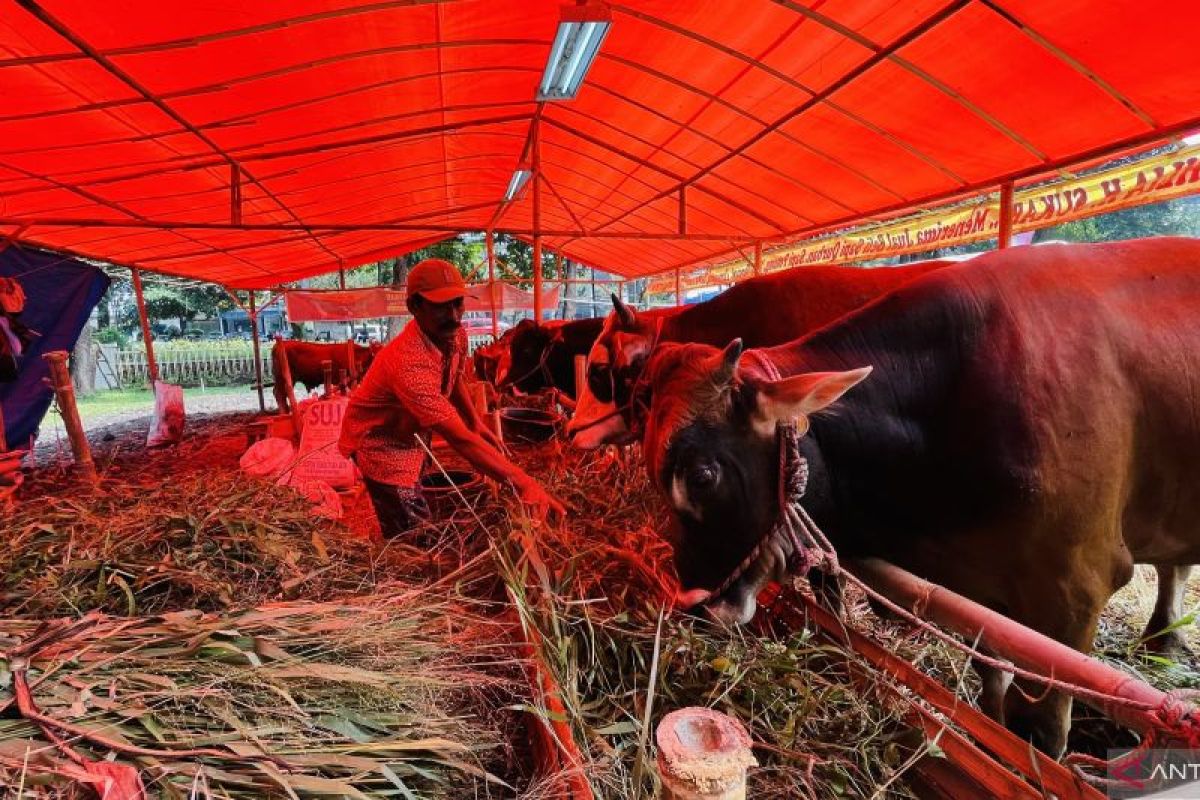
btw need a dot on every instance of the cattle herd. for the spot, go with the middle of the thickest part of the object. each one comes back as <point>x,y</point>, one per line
<point>1021,428</point>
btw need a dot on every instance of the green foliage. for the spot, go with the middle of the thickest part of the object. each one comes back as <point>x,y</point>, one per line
<point>169,302</point>
<point>1180,217</point>
<point>112,336</point>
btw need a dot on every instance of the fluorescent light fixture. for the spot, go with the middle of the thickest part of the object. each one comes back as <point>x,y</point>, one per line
<point>581,31</point>
<point>517,183</point>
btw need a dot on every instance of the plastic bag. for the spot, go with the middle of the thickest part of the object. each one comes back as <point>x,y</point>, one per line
<point>268,458</point>
<point>167,425</point>
<point>326,502</point>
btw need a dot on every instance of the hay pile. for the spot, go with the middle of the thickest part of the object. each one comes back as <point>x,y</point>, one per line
<point>598,592</point>
<point>301,700</point>
<point>427,683</point>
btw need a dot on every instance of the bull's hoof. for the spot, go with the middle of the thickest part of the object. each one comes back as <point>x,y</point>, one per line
<point>1033,724</point>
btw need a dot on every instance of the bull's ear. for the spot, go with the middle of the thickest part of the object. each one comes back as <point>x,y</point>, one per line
<point>626,316</point>
<point>725,364</point>
<point>797,397</point>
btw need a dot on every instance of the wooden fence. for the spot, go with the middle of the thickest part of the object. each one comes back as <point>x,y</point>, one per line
<point>194,365</point>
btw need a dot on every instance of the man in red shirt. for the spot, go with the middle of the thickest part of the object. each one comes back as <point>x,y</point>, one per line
<point>415,386</point>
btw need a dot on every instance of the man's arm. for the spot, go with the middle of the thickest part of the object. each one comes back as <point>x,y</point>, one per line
<point>460,396</point>
<point>492,463</point>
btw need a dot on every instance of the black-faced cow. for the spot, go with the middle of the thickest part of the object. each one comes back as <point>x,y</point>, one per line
<point>762,311</point>
<point>1029,431</point>
<point>540,356</point>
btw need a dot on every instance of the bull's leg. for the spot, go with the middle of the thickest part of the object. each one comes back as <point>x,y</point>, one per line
<point>1068,610</point>
<point>280,392</point>
<point>1168,608</point>
<point>995,683</point>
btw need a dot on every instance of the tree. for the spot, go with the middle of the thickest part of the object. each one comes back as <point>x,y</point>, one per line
<point>173,302</point>
<point>83,361</point>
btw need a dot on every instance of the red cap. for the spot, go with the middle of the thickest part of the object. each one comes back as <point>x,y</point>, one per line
<point>436,280</point>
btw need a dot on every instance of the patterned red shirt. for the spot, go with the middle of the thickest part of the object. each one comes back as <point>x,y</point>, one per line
<point>404,394</point>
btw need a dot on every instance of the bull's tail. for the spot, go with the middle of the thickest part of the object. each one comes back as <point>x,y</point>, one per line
<point>279,389</point>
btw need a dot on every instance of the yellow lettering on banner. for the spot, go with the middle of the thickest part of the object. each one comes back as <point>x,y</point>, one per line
<point>1151,180</point>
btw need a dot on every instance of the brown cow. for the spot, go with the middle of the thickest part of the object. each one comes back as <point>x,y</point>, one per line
<point>762,311</point>
<point>1028,433</point>
<point>305,361</point>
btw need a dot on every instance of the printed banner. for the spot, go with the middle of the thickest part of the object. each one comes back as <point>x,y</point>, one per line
<point>304,306</point>
<point>1150,180</point>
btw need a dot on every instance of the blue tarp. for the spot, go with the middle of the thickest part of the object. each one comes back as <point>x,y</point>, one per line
<point>60,294</point>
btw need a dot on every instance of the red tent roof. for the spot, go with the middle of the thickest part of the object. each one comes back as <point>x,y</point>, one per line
<point>357,130</point>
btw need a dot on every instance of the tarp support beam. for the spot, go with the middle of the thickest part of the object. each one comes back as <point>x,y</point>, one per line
<point>683,210</point>
<point>258,376</point>
<point>144,319</point>
<point>536,134</point>
<point>1006,215</point>
<point>678,293</point>
<point>490,239</point>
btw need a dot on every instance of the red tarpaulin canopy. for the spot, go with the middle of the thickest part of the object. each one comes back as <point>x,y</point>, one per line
<point>256,143</point>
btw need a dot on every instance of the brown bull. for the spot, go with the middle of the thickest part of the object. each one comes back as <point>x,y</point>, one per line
<point>763,311</point>
<point>1029,431</point>
<point>305,359</point>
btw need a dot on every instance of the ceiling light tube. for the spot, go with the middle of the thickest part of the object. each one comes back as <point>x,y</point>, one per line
<point>581,31</point>
<point>515,184</point>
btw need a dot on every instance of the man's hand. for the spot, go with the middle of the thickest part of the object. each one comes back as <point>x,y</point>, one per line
<point>542,502</point>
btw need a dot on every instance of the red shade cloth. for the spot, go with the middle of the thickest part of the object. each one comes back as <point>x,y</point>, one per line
<point>129,127</point>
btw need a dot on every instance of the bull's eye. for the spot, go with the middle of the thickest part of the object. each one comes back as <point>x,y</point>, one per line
<point>704,476</point>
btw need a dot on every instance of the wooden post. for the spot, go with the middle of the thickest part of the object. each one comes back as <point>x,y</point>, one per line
<point>678,293</point>
<point>3,435</point>
<point>258,376</point>
<point>537,223</point>
<point>580,376</point>
<point>758,258</point>
<point>289,387</point>
<point>1006,212</point>
<point>327,368</point>
<point>491,261</point>
<point>60,381</point>
<point>151,364</point>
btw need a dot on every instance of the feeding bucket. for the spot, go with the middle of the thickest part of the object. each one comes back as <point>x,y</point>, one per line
<point>703,755</point>
<point>445,492</point>
<point>528,424</point>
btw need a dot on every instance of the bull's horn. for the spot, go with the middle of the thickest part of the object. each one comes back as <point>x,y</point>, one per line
<point>691,598</point>
<point>726,363</point>
<point>625,314</point>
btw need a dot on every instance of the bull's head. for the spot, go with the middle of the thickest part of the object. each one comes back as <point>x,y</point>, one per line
<point>711,448</point>
<point>606,414</point>
<point>521,361</point>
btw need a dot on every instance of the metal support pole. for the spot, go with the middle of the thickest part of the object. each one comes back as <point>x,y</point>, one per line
<point>258,376</point>
<point>491,261</point>
<point>151,364</point>
<point>758,258</point>
<point>678,293</point>
<point>64,390</point>
<point>683,210</point>
<point>537,223</point>
<point>1006,212</point>
<point>621,290</point>
<point>235,194</point>
<point>342,278</point>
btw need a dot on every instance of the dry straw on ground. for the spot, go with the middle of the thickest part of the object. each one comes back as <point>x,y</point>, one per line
<point>391,671</point>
